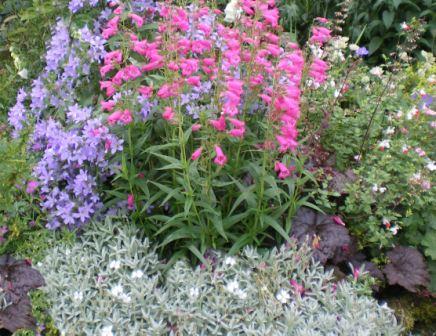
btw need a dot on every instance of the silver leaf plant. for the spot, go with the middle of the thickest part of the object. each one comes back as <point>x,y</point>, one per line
<point>110,283</point>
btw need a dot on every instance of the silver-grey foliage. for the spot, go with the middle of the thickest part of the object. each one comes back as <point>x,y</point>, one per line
<point>110,283</point>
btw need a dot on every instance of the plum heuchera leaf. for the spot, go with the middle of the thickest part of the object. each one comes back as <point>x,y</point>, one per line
<point>330,240</point>
<point>17,278</point>
<point>406,268</point>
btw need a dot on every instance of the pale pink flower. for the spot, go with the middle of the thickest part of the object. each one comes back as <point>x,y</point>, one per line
<point>31,187</point>
<point>168,113</point>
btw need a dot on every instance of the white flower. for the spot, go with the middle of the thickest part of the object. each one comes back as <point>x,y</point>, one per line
<point>137,274</point>
<point>230,261</point>
<point>382,189</point>
<point>233,11</point>
<point>194,292</point>
<point>125,298</point>
<point>394,229</point>
<point>340,42</point>
<point>232,287</point>
<point>117,290</point>
<point>242,295</point>
<point>115,264</point>
<point>376,71</point>
<point>336,93</point>
<point>403,56</point>
<point>106,331</point>
<point>431,166</point>
<point>399,114</point>
<point>353,47</point>
<point>404,26</point>
<point>77,296</point>
<point>375,188</point>
<point>384,144</point>
<point>390,130</point>
<point>413,112</point>
<point>283,296</point>
<point>23,74</point>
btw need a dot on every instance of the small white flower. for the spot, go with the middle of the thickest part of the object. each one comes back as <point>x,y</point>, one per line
<point>404,57</point>
<point>431,166</point>
<point>194,292</point>
<point>283,296</point>
<point>233,11</point>
<point>399,114</point>
<point>394,229</point>
<point>230,261</point>
<point>375,188</point>
<point>23,74</point>
<point>413,112</point>
<point>117,290</point>
<point>77,296</point>
<point>137,274</point>
<point>404,26</point>
<point>390,130</point>
<point>416,176</point>
<point>376,71</point>
<point>232,287</point>
<point>354,47</point>
<point>115,264</point>
<point>242,295</point>
<point>384,144</point>
<point>125,298</point>
<point>336,93</point>
<point>106,331</point>
<point>382,189</point>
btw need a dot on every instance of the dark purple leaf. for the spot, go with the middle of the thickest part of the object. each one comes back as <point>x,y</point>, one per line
<point>18,316</point>
<point>330,240</point>
<point>17,278</point>
<point>406,268</point>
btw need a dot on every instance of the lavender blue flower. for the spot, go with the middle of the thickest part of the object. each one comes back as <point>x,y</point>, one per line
<point>362,52</point>
<point>17,115</point>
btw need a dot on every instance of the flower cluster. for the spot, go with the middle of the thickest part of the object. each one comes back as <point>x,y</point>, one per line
<point>214,73</point>
<point>66,171</point>
<point>73,146</point>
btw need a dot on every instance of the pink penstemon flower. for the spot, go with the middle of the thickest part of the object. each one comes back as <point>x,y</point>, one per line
<point>196,153</point>
<point>298,289</point>
<point>168,114</point>
<point>220,158</point>
<point>338,220</point>
<point>130,202</point>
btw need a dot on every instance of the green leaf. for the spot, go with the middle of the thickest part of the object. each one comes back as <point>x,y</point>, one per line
<point>375,43</point>
<point>397,3</point>
<point>182,233</point>
<point>388,18</point>
<point>171,192</point>
<point>199,255</point>
<point>242,241</point>
<point>275,225</point>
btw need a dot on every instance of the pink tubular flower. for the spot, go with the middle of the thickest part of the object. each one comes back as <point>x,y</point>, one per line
<point>168,113</point>
<point>130,202</point>
<point>188,66</point>
<point>298,289</point>
<point>193,80</point>
<point>338,220</point>
<point>31,187</point>
<point>318,71</point>
<point>145,91</point>
<point>219,124</point>
<point>195,127</point>
<point>220,158</point>
<point>196,153</point>
<point>356,273</point>
<point>136,19</point>
<point>105,69</point>
<point>320,35</point>
<point>107,105</point>
<point>126,117</point>
<point>114,117</point>
<point>237,132</point>
<point>283,171</point>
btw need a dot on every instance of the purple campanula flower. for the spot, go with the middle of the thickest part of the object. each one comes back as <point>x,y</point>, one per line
<point>362,52</point>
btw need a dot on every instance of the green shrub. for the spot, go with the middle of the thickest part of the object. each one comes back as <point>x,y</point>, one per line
<point>111,283</point>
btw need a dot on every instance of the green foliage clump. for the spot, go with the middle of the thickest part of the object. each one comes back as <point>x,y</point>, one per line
<point>111,282</point>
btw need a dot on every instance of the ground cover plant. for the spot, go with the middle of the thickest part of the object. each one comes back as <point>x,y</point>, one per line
<point>207,128</point>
